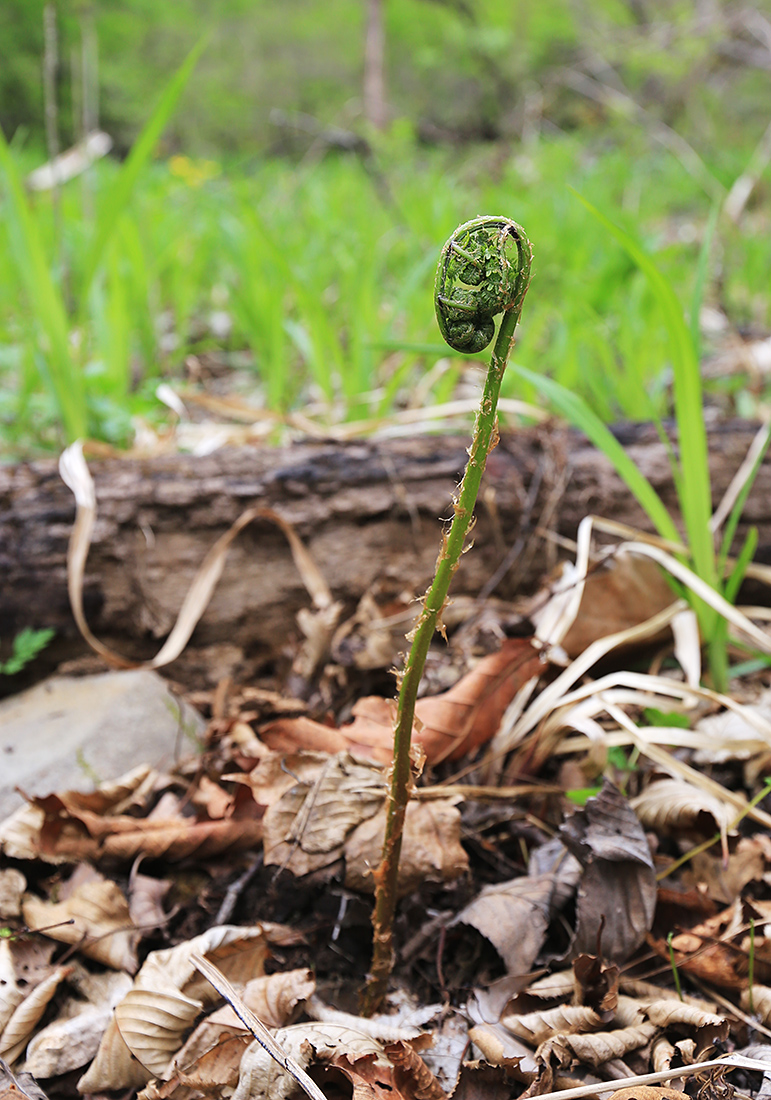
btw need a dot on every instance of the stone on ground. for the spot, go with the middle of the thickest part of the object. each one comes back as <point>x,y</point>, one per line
<point>72,733</point>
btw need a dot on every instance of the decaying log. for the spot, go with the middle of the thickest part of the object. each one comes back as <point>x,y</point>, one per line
<point>366,510</point>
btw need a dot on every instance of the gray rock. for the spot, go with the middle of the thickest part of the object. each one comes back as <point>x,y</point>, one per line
<point>72,733</point>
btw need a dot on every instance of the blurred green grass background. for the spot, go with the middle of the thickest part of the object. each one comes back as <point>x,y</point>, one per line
<point>253,217</point>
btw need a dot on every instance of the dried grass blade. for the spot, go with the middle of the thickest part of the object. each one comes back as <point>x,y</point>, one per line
<point>76,475</point>
<point>732,1061</point>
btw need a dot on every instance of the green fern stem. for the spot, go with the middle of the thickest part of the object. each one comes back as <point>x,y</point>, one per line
<point>465,304</point>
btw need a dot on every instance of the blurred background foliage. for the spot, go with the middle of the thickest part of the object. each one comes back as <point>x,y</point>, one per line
<point>456,69</point>
<point>279,238</point>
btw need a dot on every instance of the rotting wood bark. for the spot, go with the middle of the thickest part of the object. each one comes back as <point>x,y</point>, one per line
<point>367,510</point>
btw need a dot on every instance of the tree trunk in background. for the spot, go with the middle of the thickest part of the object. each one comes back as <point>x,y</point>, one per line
<point>375,110</point>
<point>369,511</point>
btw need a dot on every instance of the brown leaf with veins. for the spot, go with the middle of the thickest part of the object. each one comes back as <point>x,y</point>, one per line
<point>326,798</point>
<point>168,994</point>
<point>431,848</point>
<point>95,916</point>
<point>447,726</point>
<point>601,1046</point>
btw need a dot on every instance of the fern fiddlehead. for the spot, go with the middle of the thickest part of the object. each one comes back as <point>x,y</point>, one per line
<point>483,270</point>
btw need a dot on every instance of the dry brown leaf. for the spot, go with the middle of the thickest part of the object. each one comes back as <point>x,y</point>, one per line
<point>596,984</point>
<point>431,848</point>
<point>145,899</point>
<point>604,1046</point>
<point>114,1066</point>
<point>261,1078</point>
<point>22,1086</point>
<point>668,1012</point>
<point>307,827</point>
<point>618,888</point>
<point>274,998</point>
<point>152,1023</point>
<point>552,987</point>
<point>535,1027</point>
<point>73,1039</point>
<point>662,1053</point>
<point>747,863</point>
<point>411,1076</point>
<point>626,591</point>
<point>100,922</point>
<point>215,1069</point>
<point>673,806</point>
<point>70,832</point>
<point>514,917</point>
<point>17,1031</point>
<point>167,995</point>
<point>12,886</point>
<point>11,995</point>
<point>447,726</point>
<point>698,952</point>
<point>648,1092</point>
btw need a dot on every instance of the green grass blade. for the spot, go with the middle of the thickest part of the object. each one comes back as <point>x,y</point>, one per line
<point>695,493</point>
<point>575,409</point>
<point>140,154</point>
<point>45,301</point>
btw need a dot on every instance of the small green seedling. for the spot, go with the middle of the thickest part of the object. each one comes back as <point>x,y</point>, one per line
<point>26,646</point>
<point>483,271</point>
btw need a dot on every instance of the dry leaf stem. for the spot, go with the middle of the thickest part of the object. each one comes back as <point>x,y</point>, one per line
<point>476,279</point>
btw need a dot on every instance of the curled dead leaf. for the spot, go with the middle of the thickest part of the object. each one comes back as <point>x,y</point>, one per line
<point>675,806</point>
<point>18,1030</point>
<point>669,1012</point>
<point>761,1002</point>
<point>535,1027</point>
<point>604,1046</point>
<point>618,887</point>
<point>514,917</point>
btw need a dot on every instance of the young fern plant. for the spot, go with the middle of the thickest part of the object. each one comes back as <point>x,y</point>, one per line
<point>483,271</point>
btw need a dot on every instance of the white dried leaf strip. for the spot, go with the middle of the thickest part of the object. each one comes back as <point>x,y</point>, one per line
<point>535,1027</point>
